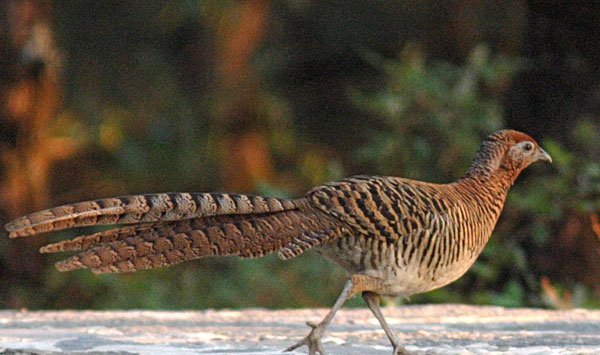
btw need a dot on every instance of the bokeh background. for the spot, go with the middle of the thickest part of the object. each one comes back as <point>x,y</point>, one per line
<point>105,98</point>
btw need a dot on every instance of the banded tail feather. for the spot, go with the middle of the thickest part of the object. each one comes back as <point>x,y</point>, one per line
<point>130,249</point>
<point>309,239</point>
<point>158,230</point>
<point>89,241</point>
<point>85,242</point>
<point>143,209</point>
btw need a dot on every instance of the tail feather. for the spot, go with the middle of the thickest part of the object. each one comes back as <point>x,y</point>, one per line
<point>308,240</point>
<point>88,241</point>
<point>85,242</point>
<point>166,229</point>
<point>174,242</point>
<point>143,209</point>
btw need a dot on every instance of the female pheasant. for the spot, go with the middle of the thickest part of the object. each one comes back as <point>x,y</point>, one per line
<point>394,236</point>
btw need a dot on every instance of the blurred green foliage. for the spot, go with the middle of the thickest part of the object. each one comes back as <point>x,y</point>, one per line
<point>330,99</point>
<point>550,203</point>
<point>433,115</point>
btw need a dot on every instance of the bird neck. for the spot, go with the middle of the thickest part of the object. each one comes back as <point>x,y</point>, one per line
<point>492,169</point>
<point>487,182</point>
<point>499,179</point>
<point>483,196</point>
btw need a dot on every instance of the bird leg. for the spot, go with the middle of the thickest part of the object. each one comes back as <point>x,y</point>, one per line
<point>313,339</point>
<point>372,300</point>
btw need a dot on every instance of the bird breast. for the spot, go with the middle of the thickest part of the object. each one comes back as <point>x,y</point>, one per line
<point>426,259</point>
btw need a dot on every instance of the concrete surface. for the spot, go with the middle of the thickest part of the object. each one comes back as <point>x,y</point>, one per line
<point>439,329</point>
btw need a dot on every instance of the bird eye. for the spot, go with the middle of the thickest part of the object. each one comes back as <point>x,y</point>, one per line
<point>527,146</point>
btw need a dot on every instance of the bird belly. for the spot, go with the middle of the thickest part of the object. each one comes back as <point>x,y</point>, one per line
<point>382,261</point>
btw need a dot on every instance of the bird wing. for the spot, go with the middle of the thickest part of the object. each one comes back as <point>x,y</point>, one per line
<point>385,208</point>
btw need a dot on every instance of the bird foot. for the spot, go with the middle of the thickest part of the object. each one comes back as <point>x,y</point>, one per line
<point>398,349</point>
<point>312,340</point>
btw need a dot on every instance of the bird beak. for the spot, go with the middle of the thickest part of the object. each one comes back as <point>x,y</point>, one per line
<point>543,155</point>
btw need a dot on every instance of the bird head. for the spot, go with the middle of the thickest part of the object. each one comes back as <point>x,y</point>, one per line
<point>504,154</point>
<point>520,151</point>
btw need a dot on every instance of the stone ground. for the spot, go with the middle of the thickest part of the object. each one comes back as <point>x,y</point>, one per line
<point>435,329</point>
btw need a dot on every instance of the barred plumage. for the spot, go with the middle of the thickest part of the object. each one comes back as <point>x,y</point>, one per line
<point>143,208</point>
<point>394,236</point>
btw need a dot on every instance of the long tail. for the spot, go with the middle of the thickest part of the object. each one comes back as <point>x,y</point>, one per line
<point>171,228</point>
<point>170,243</point>
<point>143,209</point>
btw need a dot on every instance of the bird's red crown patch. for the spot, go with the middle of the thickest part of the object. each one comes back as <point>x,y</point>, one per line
<point>520,137</point>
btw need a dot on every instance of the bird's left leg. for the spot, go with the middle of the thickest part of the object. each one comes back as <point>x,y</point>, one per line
<point>313,339</point>
<point>372,300</point>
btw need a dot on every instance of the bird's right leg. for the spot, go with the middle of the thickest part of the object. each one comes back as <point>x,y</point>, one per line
<point>372,300</point>
<point>313,339</point>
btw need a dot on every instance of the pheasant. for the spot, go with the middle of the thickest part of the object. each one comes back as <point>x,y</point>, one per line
<point>394,236</point>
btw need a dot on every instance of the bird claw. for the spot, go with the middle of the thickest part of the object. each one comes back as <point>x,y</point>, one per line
<point>399,350</point>
<point>312,340</point>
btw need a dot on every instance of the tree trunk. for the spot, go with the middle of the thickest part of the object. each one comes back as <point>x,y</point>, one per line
<point>246,157</point>
<point>30,97</point>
